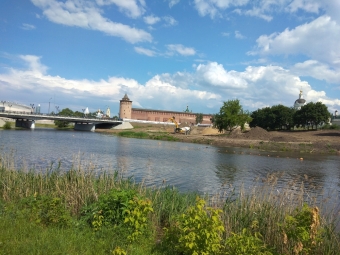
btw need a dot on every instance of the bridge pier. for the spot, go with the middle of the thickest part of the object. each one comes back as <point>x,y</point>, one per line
<point>83,126</point>
<point>24,123</point>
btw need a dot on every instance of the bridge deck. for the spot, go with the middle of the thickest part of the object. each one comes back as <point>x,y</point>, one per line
<point>29,116</point>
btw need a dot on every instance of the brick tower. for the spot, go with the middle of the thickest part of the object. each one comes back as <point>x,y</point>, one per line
<point>125,108</point>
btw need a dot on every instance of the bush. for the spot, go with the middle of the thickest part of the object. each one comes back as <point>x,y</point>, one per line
<point>197,231</point>
<point>7,125</point>
<point>246,243</point>
<point>109,209</point>
<point>47,210</point>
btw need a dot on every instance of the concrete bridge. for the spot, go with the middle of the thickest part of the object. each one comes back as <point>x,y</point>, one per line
<point>27,120</point>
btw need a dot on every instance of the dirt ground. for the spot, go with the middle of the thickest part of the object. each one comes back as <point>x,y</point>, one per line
<point>321,141</point>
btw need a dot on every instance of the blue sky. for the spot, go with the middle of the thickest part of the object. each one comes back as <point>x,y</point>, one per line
<point>169,54</point>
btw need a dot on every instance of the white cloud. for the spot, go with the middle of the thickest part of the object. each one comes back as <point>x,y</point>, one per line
<point>318,71</point>
<point>213,8</point>
<point>225,34</point>
<point>170,21</point>
<point>180,49</point>
<point>214,74</point>
<point>151,19</point>
<point>26,26</point>
<point>238,35</point>
<point>129,7</point>
<point>146,52</point>
<point>86,15</point>
<point>312,6</point>
<point>318,40</point>
<point>173,3</point>
<point>208,85</point>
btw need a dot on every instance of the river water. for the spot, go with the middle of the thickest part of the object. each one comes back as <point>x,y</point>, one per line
<point>189,167</point>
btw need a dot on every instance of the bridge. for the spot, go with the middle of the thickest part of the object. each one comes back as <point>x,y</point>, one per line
<point>27,120</point>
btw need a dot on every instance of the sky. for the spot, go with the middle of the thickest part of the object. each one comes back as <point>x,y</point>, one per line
<point>169,54</point>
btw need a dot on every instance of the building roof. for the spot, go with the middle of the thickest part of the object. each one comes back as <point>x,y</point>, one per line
<point>125,98</point>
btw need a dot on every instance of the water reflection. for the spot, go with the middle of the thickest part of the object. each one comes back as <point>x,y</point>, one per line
<point>189,167</point>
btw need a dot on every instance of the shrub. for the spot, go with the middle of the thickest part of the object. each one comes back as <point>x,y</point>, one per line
<point>246,243</point>
<point>301,231</point>
<point>136,216</point>
<point>47,210</point>
<point>109,209</point>
<point>197,231</point>
<point>7,125</point>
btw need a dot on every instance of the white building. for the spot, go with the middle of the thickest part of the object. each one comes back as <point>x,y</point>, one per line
<point>299,102</point>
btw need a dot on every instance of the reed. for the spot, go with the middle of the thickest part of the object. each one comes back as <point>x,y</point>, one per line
<point>262,208</point>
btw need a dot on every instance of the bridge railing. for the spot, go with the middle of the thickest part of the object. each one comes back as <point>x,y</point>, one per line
<point>32,114</point>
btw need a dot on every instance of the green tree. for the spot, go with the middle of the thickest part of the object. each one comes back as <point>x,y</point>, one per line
<point>311,115</point>
<point>199,118</point>
<point>64,112</point>
<point>283,116</point>
<point>275,117</point>
<point>231,116</point>
<point>263,118</point>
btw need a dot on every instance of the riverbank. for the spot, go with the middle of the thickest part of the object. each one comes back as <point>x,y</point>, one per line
<point>80,212</point>
<point>317,142</point>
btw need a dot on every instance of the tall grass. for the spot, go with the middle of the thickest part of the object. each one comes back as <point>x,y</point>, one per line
<point>261,208</point>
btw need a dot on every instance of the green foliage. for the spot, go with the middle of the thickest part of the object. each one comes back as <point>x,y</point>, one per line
<point>64,112</point>
<point>118,251</point>
<point>47,211</point>
<point>136,216</point>
<point>133,134</point>
<point>7,125</point>
<point>311,114</point>
<point>302,230</point>
<point>332,127</point>
<point>231,116</point>
<point>109,209</point>
<point>246,243</point>
<point>197,231</point>
<point>199,118</point>
<point>275,117</point>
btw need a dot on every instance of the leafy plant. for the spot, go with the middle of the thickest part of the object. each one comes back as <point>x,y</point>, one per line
<point>136,216</point>
<point>7,125</point>
<point>109,209</point>
<point>47,210</point>
<point>118,251</point>
<point>197,231</point>
<point>302,229</point>
<point>246,243</point>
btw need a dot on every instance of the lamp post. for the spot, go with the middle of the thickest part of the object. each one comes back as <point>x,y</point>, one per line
<point>3,105</point>
<point>32,106</point>
<point>49,102</point>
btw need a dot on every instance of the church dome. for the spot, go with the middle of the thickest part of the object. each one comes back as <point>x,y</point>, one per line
<point>299,102</point>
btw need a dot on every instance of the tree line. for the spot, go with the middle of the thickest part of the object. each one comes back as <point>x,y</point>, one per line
<point>277,117</point>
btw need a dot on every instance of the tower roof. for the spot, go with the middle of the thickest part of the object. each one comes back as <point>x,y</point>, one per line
<point>125,98</point>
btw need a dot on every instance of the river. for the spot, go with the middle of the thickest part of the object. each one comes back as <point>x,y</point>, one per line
<point>189,167</point>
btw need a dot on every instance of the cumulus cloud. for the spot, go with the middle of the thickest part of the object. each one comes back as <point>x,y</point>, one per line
<point>318,40</point>
<point>86,15</point>
<point>208,85</point>
<point>180,49</point>
<point>151,19</point>
<point>317,70</point>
